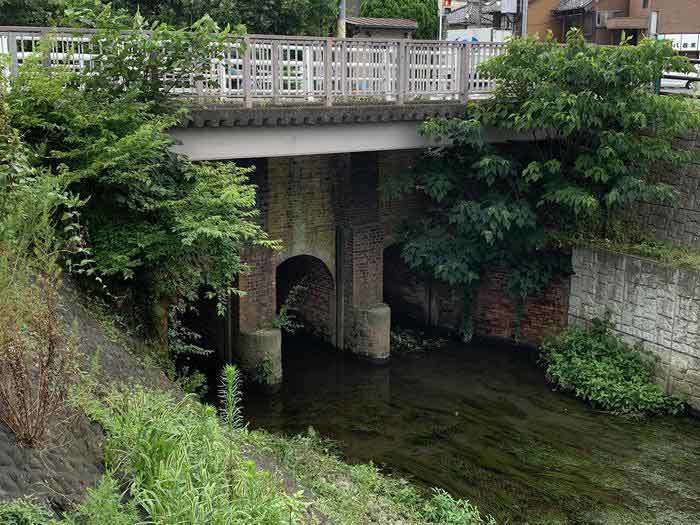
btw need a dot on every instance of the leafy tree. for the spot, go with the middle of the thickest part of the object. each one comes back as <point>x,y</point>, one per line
<point>422,11</point>
<point>598,132</point>
<point>162,225</point>
<point>28,12</point>
<point>284,17</point>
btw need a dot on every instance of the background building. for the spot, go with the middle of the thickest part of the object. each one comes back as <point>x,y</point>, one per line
<point>602,21</point>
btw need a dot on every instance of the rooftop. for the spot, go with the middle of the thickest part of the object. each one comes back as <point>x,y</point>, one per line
<point>573,5</point>
<point>382,23</point>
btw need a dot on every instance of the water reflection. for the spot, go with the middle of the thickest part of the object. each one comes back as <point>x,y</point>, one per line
<point>480,421</point>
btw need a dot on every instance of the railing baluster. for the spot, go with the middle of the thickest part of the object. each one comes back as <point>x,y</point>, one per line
<point>328,72</point>
<point>247,100</point>
<point>466,63</point>
<point>275,58</point>
<point>12,49</point>
<point>402,72</point>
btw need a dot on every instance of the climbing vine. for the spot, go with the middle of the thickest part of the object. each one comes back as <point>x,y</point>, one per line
<point>590,132</point>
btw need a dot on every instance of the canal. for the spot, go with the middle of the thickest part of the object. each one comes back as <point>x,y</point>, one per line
<point>480,421</point>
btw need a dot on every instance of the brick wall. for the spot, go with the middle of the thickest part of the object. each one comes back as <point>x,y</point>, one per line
<point>296,200</point>
<point>495,313</point>
<point>393,212</point>
<point>656,305</point>
<point>324,210</point>
<point>311,202</point>
<point>431,303</point>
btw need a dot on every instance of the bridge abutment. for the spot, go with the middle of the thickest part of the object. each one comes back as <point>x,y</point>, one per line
<point>325,210</point>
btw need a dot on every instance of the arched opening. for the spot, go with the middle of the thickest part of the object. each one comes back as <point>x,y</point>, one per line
<point>406,293</point>
<point>417,300</point>
<point>306,289</point>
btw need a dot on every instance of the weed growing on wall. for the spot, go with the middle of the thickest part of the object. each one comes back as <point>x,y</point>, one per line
<point>598,367</point>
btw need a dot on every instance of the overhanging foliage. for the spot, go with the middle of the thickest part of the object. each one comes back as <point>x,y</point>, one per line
<point>598,134</point>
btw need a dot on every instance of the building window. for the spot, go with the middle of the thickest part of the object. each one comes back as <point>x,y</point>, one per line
<point>645,4</point>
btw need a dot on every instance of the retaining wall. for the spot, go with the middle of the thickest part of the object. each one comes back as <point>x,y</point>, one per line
<point>650,303</point>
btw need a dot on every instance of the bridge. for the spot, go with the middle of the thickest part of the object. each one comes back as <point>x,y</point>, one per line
<point>261,84</point>
<point>324,121</point>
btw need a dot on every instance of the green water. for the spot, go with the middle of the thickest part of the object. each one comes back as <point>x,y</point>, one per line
<point>480,421</point>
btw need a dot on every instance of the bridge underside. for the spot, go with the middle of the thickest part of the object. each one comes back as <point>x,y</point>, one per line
<point>334,225</point>
<point>220,133</point>
<point>258,142</point>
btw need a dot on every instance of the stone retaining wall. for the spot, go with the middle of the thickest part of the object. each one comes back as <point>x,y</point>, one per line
<point>648,302</point>
<point>678,223</point>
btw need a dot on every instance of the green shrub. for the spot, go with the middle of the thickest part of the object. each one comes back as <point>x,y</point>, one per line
<point>598,367</point>
<point>25,511</point>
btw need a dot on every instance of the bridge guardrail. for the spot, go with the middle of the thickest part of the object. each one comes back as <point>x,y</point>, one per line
<point>278,70</point>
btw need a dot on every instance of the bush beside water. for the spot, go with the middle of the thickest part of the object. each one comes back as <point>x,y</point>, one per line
<point>598,367</point>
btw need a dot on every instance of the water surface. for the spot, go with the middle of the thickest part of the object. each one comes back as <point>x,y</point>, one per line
<point>480,421</point>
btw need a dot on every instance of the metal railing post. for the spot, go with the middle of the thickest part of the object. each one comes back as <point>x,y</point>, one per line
<point>247,87</point>
<point>328,72</point>
<point>275,57</point>
<point>343,67</point>
<point>12,49</point>
<point>402,72</point>
<point>467,75</point>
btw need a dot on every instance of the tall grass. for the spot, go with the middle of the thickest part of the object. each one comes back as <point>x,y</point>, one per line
<point>182,466</point>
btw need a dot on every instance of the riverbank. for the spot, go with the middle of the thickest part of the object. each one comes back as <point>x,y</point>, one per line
<point>131,413</point>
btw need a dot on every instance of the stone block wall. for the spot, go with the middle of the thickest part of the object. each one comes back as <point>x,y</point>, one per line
<point>649,303</point>
<point>677,223</point>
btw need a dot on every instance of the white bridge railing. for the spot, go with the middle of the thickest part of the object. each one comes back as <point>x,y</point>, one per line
<point>279,70</point>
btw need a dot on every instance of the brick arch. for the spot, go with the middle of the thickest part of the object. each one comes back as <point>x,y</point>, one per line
<point>315,302</point>
<point>324,255</point>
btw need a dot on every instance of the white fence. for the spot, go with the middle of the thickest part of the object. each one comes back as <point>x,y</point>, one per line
<point>287,69</point>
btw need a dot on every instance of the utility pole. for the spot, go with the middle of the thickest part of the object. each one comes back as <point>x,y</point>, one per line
<point>342,14</point>
<point>439,19</point>
<point>523,22</point>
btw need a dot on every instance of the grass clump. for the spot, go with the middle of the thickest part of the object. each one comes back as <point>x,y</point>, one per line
<point>24,511</point>
<point>181,466</point>
<point>598,367</point>
<point>662,252</point>
<point>179,461</point>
